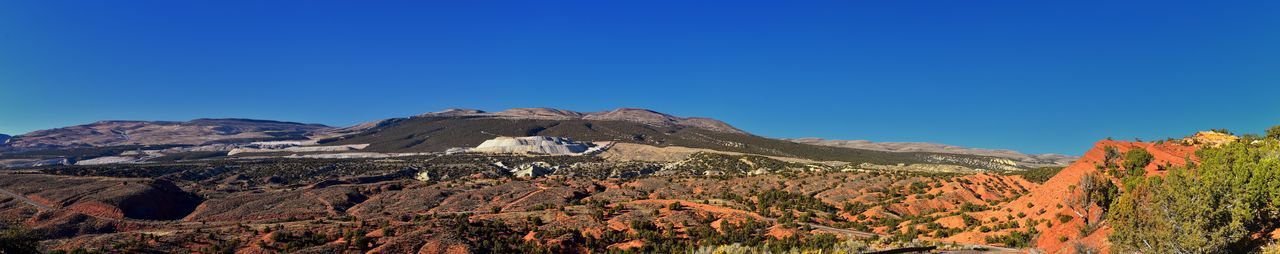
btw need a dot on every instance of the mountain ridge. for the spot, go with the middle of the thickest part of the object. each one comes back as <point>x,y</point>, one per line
<point>1045,158</point>
<point>457,128</point>
<point>639,115</point>
<point>133,132</point>
<point>441,131</point>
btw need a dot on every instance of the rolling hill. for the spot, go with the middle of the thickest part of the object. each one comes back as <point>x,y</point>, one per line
<point>135,133</point>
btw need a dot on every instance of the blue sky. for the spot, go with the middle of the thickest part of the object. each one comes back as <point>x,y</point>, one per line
<point>1035,76</point>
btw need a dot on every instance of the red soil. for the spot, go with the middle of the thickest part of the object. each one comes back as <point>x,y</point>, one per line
<point>97,209</point>
<point>1055,192</point>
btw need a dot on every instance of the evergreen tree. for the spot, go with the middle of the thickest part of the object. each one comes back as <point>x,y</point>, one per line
<point>1136,160</point>
<point>1212,207</point>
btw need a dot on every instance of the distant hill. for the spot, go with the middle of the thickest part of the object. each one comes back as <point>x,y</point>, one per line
<point>1037,159</point>
<point>643,116</point>
<point>4,138</point>
<point>132,133</point>
<point>636,115</point>
<point>439,131</point>
<point>454,128</point>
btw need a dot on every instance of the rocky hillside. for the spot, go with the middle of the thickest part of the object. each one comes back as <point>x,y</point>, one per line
<point>1047,159</point>
<point>59,198</point>
<point>311,206</point>
<point>1075,226</point>
<point>126,133</point>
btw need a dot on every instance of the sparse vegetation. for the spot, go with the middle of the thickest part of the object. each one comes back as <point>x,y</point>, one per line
<point>17,239</point>
<point>1214,205</point>
<point>1135,162</point>
<point>1015,239</point>
<point>1039,175</point>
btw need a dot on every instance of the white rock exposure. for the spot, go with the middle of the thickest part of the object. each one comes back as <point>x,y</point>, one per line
<point>298,149</point>
<point>107,160</point>
<point>534,169</point>
<point>532,145</point>
<point>27,163</point>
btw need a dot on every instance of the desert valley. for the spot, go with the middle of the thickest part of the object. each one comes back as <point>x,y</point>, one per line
<point>541,180</point>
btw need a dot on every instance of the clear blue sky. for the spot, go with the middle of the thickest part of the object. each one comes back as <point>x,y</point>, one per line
<point>1026,75</point>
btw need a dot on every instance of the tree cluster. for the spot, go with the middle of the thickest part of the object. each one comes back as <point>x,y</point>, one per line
<point>1214,207</point>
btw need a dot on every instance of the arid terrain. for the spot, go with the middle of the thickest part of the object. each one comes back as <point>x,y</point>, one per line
<point>627,181</point>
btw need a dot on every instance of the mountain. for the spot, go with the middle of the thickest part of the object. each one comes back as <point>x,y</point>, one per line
<point>543,113</point>
<point>1034,159</point>
<point>4,138</point>
<point>659,119</point>
<point>635,115</point>
<point>134,133</point>
<point>642,116</point>
<point>453,128</point>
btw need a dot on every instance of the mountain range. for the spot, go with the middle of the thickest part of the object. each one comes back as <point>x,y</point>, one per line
<point>1043,159</point>
<point>132,133</point>
<point>531,179</point>
<point>460,128</point>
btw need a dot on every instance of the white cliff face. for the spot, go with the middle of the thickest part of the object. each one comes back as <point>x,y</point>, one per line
<point>532,145</point>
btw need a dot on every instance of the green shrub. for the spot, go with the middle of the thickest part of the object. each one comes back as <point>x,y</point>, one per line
<point>1064,218</point>
<point>1215,206</point>
<point>1136,160</point>
<point>1039,175</point>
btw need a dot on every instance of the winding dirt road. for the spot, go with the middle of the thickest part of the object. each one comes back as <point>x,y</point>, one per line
<point>24,199</point>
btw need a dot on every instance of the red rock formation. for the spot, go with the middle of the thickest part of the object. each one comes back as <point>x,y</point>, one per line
<point>1052,196</point>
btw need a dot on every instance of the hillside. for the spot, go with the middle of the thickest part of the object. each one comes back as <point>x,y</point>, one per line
<point>636,115</point>
<point>134,133</point>
<point>435,133</point>
<point>1059,190</point>
<point>1041,160</point>
<point>315,206</point>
